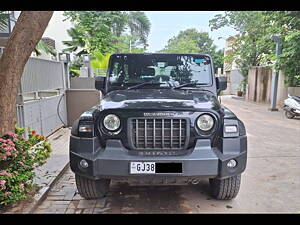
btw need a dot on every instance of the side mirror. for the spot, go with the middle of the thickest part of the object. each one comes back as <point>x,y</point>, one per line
<point>221,84</point>
<point>100,83</point>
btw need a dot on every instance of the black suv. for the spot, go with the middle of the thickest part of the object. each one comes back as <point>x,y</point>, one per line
<point>159,122</point>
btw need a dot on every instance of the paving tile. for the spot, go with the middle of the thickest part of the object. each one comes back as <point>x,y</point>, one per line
<point>45,205</point>
<point>70,211</point>
<point>49,210</point>
<point>60,211</point>
<point>60,207</point>
<point>88,211</point>
<point>57,193</point>
<point>86,204</point>
<point>100,210</point>
<point>78,211</point>
<point>69,195</point>
<point>60,202</point>
<point>73,204</point>
<point>55,197</point>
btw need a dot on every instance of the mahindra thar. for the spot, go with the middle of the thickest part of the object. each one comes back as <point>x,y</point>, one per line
<point>159,122</point>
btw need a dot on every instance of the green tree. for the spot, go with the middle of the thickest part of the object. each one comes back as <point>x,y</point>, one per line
<point>129,43</point>
<point>218,59</point>
<point>102,31</point>
<point>193,41</point>
<point>197,42</point>
<point>139,26</point>
<point>95,28</point>
<point>77,44</point>
<point>253,46</point>
<point>286,24</point>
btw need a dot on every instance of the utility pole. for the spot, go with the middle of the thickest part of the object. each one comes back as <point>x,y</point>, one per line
<point>275,74</point>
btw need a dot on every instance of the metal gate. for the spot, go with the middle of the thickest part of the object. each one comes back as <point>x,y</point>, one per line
<point>41,101</point>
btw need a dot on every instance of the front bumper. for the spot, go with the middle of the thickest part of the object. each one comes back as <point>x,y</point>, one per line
<point>113,161</point>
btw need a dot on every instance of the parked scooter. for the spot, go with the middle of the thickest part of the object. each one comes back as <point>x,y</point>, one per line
<point>292,106</point>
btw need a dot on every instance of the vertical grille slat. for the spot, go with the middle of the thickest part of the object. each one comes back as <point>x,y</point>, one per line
<point>159,133</point>
<point>163,133</point>
<point>137,132</point>
<point>179,132</point>
<point>171,127</point>
<point>153,133</point>
<point>145,133</point>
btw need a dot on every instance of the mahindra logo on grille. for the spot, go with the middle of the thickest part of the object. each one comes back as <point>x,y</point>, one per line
<point>159,114</point>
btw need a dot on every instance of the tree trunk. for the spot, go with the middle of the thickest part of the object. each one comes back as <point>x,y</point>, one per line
<point>27,32</point>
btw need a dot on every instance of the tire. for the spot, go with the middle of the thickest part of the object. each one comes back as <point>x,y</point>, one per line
<point>289,115</point>
<point>92,189</point>
<point>225,189</point>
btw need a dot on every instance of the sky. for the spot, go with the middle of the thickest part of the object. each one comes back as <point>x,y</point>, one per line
<point>166,24</point>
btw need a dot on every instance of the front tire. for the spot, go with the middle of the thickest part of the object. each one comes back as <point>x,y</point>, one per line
<point>225,189</point>
<point>289,115</point>
<point>92,189</point>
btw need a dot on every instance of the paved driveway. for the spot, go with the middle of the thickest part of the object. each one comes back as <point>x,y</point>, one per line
<point>271,182</point>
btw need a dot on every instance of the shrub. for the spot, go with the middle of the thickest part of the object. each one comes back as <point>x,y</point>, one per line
<point>19,156</point>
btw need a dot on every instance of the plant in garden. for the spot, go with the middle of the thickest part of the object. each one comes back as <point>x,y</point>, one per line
<point>18,159</point>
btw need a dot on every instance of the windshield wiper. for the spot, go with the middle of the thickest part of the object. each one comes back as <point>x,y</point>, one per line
<point>142,84</point>
<point>188,84</point>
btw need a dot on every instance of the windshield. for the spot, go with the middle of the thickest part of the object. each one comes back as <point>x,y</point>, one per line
<point>160,70</point>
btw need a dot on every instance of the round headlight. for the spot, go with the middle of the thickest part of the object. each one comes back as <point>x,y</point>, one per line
<point>205,122</point>
<point>111,122</point>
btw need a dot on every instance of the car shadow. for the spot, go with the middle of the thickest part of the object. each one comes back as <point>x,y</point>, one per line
<point>153,199</point>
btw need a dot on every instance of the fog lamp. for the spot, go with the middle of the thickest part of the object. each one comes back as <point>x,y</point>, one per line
<point>231,163</point>
<point>83,163</point>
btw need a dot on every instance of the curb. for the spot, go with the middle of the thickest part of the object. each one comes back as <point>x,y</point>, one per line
<point>42,193</point>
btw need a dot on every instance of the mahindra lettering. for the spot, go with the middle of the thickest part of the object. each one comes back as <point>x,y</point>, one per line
<point>159,122</point>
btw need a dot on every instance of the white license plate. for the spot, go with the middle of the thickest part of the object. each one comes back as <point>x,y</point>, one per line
<point>142,167</point>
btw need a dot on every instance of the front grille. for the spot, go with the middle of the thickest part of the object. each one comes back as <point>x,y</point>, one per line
<point>159,133</point>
